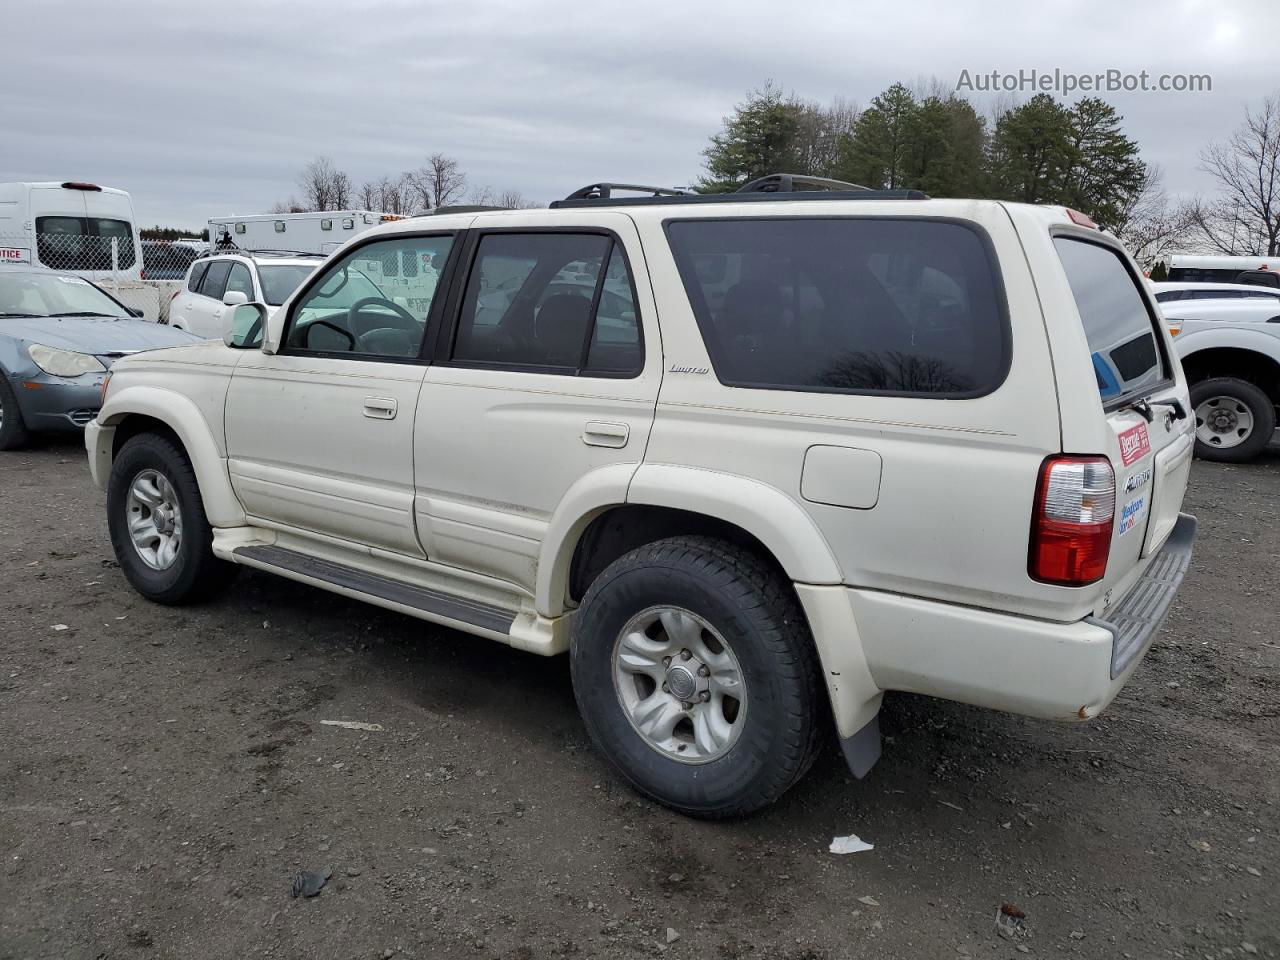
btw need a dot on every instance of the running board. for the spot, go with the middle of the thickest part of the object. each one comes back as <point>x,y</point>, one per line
<point>482,615</point>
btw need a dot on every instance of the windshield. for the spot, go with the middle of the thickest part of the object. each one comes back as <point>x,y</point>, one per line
<point>280,280</point>
<point>50,295</point>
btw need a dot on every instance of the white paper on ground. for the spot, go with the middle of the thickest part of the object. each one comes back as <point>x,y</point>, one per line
<point>849,844</point>
<point>354,725</point>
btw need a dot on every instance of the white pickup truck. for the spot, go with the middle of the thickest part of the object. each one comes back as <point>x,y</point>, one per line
<point>752,460</point>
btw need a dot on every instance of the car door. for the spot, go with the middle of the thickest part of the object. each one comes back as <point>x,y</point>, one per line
<point>320,435</point>
<point>546,377</point>
<point>204,317</point>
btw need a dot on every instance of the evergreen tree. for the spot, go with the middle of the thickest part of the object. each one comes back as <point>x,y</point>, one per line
<point>758,139</point>
<point>1031,151</point>
<point>1105,173</point>
<point>879,154</point>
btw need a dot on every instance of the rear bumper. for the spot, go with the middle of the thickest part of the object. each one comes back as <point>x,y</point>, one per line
<point>1039,668</point>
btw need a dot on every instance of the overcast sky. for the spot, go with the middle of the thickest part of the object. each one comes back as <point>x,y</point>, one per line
<point>202,110</point>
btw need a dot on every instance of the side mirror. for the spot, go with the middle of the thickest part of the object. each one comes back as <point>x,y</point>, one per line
<point>243,325</point>
<point>233,298</point>
<point>137,312</point>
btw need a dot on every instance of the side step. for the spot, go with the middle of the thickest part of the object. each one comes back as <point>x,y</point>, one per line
<point>433,602</point>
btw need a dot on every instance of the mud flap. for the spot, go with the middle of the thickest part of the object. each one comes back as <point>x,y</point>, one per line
<point>862,750</point>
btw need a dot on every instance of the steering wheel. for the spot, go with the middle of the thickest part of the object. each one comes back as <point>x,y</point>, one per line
<point>354,323</point>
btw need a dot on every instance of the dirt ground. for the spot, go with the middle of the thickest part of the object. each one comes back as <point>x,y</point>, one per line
<point>164,774</point>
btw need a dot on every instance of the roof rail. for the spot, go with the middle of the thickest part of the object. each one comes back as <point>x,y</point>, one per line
<point>464,208</point>
<point>795,182</point>
<point>247,252</point>
<point>604,191</point>
<point>796,196</point>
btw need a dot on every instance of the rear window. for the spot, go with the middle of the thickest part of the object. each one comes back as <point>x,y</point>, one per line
<point>846,305</point>
<point>1117,324</point>
<point>84,243</point>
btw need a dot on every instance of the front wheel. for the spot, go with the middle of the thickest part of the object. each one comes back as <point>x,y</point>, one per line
<point>696,676</point>
<point>1235,419</point>
<point>159,532</point>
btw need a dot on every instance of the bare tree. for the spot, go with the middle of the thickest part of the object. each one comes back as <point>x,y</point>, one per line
<point>1245,217</point>
<point>439,182</point>
<point>1152,227</point>
<point>507,199</point>
<point>324,186</point>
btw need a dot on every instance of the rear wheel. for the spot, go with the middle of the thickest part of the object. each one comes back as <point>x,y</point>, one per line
<point>13,431</point>
<point>696,676</point>
<point>1235,419</point>
<point>159,532</point>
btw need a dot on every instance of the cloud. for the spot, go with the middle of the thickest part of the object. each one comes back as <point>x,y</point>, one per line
<point>205,110</point>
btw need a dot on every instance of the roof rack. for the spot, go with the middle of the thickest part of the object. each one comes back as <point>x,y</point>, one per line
<point>604,191</point>
<point>795,182</point>
<point>245,251</point>
<point>465,208</point>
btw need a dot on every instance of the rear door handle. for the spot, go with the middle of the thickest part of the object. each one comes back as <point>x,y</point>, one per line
<point>604,433</point>
<point>380,408</point>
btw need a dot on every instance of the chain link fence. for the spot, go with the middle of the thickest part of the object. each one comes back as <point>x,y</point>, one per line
<point>144,274</point>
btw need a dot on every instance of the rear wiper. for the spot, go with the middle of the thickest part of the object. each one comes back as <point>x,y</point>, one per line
<point>1142,406</point>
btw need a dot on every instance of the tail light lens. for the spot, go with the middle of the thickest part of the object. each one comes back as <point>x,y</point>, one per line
<point>1071,526</point>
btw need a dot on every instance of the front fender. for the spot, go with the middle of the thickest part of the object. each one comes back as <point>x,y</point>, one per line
<point>1266,343</point>
<point>184,418</point>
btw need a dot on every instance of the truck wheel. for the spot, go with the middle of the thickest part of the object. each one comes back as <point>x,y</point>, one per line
<point>13,431</point>
<point>696,676</point>
<point>159,532</point>
<point>1234,419</point>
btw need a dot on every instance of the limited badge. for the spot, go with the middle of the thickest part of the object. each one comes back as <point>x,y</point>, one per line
<point>1134,444</point>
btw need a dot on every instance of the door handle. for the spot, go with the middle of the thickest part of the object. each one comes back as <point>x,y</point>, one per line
<point>603,433</point>
<point>380,408</point>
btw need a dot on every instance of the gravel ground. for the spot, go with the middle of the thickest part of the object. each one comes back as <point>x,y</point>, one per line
<point>164,773</point>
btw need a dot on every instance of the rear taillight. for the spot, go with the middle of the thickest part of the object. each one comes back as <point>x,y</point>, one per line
<point>1071,524</point>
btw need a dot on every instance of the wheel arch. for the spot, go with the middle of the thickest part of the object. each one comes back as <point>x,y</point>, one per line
<point>140,409</point>
<point>1233,353</point>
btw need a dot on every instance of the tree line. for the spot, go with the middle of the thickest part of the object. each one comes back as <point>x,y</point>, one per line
<point>439,182</point>
<point>1040,151</point>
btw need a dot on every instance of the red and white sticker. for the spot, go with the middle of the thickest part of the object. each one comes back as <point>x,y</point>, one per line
<point>1134,444</point>
<point>15,254</point>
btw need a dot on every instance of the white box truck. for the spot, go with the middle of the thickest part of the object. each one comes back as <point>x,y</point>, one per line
<point>317,232</point>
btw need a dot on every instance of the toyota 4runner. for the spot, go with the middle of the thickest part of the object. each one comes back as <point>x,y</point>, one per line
<point>751,460</point>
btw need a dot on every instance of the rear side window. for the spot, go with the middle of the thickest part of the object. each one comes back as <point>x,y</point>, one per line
<point>551,303</point>
<point>1117,324</point>
<point>197,274</point>
<point>875,306</point>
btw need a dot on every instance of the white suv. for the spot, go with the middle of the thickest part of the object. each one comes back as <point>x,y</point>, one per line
<point>752,460</point>
<point>226,279</point>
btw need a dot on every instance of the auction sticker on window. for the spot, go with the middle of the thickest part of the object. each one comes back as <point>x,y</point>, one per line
<point>15,254</point>
<point>1134,444</point>
<point>1131,513</point>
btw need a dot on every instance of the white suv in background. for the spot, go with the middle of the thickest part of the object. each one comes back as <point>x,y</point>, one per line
<point>752,460</point>
<point>222,280</point>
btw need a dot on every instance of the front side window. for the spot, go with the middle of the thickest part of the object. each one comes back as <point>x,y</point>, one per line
<point>215,279</point>
<point>356,309</point>
<point>550,302</point>
<point>239,280</point>
<point>1117,324</point>
<point>846,305</point>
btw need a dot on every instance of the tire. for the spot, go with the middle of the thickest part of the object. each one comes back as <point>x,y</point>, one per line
<point>715,594</point>
<point>13,429</point>
<point>189,571</point>
<point>1238,405</point>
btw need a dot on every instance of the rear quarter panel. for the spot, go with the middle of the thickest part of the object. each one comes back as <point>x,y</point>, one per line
<point>950,516</point>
